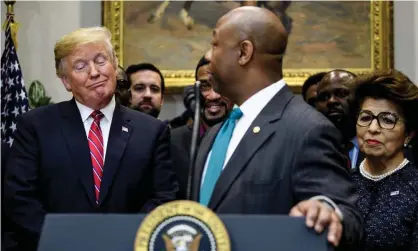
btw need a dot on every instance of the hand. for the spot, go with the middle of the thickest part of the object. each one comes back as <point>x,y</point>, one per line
<point>320,215</point>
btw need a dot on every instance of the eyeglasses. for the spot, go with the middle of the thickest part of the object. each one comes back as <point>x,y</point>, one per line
<point>386,120</point>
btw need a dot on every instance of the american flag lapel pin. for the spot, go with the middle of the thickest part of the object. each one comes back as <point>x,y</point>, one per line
<point>394,193</point>
<point>124,129</point>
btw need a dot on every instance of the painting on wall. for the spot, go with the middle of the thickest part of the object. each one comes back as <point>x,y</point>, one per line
<point>174,35</point>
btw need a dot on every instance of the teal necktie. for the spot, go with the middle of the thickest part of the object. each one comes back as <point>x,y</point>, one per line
<point>217,158</point>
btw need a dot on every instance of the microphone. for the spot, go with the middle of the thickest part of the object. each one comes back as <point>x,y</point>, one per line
<point>195,138</point>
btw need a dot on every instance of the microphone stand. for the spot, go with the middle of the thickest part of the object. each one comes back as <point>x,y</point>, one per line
<point>195,138</point>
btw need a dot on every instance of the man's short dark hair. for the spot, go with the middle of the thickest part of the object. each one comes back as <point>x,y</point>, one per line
<point>142,67</point>
<point>202,62</point>
<point>312,80</point>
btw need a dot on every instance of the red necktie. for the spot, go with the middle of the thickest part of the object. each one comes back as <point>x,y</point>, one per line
<point>95,139</point>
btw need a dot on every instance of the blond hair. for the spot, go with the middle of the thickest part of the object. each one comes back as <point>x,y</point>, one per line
<point>68,43</point>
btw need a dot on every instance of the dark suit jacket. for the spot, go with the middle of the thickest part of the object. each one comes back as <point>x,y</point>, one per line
<point>296,155</point>
<point>181,139</point>
<point>49,168</point>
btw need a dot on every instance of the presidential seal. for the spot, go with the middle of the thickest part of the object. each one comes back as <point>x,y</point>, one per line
<point>182,226</point>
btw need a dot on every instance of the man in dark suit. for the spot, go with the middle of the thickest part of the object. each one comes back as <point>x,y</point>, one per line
<point>335,95</point>
<point>274,154</point>
<point>214,110</point>
<point>87,155</point>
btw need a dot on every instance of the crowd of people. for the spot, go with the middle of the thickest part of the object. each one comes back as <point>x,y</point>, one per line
<point>343,156</point>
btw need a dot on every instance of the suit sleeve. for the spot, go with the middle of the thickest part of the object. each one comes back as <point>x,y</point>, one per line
<point>321,170</point>
<point>165,182</point>
<point>21,191</point>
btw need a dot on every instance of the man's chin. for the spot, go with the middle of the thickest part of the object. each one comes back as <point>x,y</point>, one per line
<point>152,112</point>
<point>338,123</point>
<point>213,120</point>
<point>335,119</point>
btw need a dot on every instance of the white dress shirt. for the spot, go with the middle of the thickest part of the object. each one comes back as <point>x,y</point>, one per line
<point>105,122</point>
<point>251,108</point>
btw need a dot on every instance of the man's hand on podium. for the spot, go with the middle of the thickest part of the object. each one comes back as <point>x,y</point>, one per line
<point>320,215</point>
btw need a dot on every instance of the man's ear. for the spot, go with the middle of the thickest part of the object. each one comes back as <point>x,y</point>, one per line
<point>246,51</point>
<point>66,83</point>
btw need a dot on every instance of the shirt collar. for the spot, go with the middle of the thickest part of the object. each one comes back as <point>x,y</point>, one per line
<point>354,141</point>
<point>107,110</point>
<point>253,106</point>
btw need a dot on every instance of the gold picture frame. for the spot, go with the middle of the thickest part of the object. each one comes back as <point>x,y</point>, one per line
<point>381,28</point>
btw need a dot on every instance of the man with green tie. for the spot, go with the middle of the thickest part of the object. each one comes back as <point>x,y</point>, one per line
<point>274,154</point>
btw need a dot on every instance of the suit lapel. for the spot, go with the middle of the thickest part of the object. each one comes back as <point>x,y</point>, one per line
<point>75,136</point>
<point>204,149</point>
<point>250,143</point>
<point>119,134</point>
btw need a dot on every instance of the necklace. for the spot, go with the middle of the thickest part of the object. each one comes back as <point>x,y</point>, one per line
<point>381,176</point>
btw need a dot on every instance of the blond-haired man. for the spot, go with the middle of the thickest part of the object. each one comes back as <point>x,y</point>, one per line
<point>86,155</point>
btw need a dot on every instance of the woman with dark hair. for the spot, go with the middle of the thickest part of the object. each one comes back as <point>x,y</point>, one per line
<point>387,105</point>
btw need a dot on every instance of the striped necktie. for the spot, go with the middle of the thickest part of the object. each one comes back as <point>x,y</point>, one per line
<point>95,139</point>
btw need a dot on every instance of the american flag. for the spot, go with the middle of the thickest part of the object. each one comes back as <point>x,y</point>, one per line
<point>14,99</point>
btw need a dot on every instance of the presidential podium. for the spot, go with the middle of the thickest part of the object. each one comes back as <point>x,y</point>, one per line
<point>115,232</point>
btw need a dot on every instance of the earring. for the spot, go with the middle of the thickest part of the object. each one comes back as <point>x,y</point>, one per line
<point>406,142</point>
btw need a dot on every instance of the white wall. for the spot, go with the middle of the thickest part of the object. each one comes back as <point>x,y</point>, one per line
<point>406,38</point>
<point>43,22</point>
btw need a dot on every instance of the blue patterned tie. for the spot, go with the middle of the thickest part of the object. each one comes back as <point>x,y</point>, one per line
<point>217,158</point>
